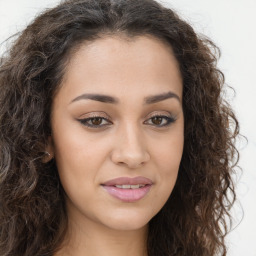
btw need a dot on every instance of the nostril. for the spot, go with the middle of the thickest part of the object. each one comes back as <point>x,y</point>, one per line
<point>131,152</point>
<point>131,162</point>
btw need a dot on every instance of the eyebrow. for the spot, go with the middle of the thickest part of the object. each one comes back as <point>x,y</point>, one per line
<point>109,99</point>
<point>97,97</point>
<point>161,97</point>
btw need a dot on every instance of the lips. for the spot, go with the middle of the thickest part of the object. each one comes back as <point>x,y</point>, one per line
<point>129,181</point>
<point>128,189</point>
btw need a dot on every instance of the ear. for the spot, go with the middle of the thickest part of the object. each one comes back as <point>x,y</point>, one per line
<point>49,151</point>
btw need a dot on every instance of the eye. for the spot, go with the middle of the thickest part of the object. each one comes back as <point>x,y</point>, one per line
<point>95,122</point>
<point>160,120</point>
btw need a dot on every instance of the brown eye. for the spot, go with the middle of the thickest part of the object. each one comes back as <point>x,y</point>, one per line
<point>160,121</point>
<point>96,121</point>
<point>157,120</point>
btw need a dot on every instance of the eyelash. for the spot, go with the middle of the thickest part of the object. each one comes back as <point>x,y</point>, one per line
<point>85,121</point>
<point>168,120</point>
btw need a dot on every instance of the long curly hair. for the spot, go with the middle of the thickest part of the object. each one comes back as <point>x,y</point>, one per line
<point>33,219</point>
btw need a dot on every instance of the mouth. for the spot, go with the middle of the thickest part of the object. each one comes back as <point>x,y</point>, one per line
<point>128,189</point>
<point>130,186</point>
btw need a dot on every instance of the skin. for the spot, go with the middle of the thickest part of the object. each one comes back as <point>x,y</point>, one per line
<point>125,142</point>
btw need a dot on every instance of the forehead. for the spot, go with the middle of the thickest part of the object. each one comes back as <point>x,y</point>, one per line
<point>119,66</point>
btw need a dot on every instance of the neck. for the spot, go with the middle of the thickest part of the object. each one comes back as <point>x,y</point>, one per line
<point>92,239</point>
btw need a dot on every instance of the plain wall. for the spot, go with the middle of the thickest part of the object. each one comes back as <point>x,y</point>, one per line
<point>231,25</point>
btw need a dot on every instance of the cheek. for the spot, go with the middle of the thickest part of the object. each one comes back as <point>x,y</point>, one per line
<point>169,150</point>
<point>79,155</point>
<point>74,147</point>
<point>167,157</point>
<point>73,157</point>
<point>78,167</point>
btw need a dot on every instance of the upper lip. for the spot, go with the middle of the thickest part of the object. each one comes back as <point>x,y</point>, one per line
<point>128,181</point>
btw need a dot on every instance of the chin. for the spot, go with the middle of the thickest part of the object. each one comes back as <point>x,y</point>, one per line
<point>128,221</point>
<point>127,225</point>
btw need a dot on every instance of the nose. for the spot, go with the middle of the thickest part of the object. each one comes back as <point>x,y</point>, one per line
<point>130,148</point>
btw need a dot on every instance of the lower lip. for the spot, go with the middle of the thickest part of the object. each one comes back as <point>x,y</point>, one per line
<point>128,195</point>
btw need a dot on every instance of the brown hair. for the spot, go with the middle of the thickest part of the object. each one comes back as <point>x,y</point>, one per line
<point>32,209</point>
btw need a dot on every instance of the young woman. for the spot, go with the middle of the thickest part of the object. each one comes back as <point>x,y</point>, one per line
<point>115,138</point>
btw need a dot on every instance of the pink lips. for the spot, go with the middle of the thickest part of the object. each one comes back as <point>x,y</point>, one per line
<point>128,194</point>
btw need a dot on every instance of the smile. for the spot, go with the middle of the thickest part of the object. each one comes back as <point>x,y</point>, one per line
<point>128,189</point>
<point>130,186</point>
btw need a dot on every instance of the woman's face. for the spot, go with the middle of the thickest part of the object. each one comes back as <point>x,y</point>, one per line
<point>117,131</point>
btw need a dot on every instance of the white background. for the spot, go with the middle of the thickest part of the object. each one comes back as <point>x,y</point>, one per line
<point>231,24</point>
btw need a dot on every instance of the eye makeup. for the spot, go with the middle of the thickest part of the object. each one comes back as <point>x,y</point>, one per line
<point>100,120</point>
